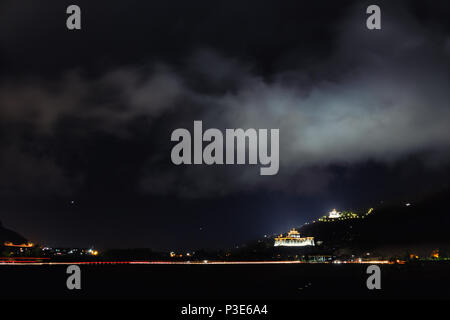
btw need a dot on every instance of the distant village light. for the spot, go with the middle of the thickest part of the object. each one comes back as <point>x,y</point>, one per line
<point>23,245</point>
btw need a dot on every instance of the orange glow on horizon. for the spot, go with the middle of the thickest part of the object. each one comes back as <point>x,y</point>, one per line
<point>23,245</point>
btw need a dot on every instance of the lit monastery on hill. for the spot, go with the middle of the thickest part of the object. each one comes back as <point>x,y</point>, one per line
<point>293,239</point>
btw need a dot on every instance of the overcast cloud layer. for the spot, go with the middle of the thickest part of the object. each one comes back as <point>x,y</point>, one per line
<point>381,95</point>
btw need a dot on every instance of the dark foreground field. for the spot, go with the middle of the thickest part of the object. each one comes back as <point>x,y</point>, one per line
<point>314,281</point>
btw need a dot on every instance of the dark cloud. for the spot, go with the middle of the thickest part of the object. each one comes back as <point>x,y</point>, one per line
<point>372,101</point>
<point>31,174</point>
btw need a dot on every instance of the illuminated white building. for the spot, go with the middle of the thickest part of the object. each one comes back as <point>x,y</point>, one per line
<point>334,214</point>
<point>293,239</point>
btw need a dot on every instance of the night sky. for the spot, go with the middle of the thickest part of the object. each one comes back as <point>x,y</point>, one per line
<point>86,116</point>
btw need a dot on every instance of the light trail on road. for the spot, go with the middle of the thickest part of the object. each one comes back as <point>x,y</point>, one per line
<point>39,263</point>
